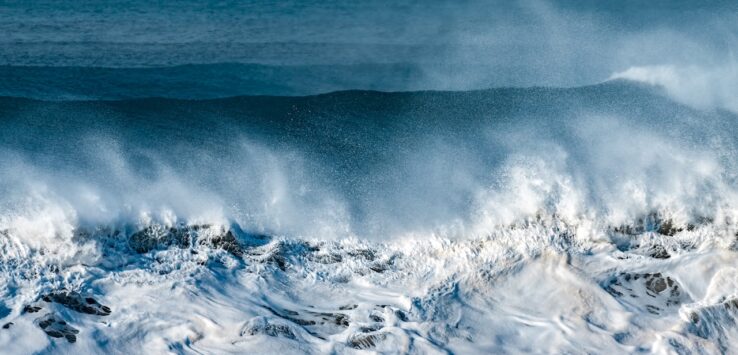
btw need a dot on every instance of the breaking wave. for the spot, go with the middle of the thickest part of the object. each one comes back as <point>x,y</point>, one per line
<point>369,164</point>
<point>407,222</point>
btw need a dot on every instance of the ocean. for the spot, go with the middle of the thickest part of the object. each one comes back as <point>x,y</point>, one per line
<point>328,177</point>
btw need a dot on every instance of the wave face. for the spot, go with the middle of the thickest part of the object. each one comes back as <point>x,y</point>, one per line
<point>374,164</point>
<point>597,218</point>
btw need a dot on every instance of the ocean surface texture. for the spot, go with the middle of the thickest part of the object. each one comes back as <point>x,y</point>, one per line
<point>348,177</point>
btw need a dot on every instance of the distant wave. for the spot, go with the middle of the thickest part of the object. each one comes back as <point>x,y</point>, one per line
<point>703,87</point>
<point>204,81</point>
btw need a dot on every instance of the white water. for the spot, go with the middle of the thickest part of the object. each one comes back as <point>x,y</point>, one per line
<point>525,288</point>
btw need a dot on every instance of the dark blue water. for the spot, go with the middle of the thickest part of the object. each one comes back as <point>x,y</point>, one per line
<point>308,47</point>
